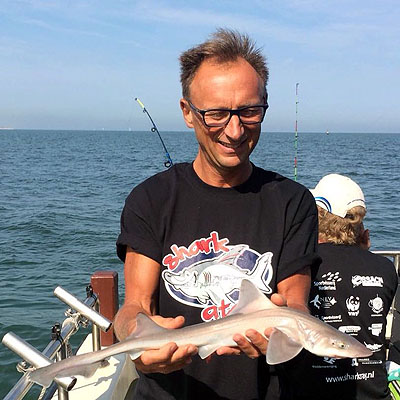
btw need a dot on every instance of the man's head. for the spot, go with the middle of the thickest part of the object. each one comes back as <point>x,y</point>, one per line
<point>224,101</point>
<point>341,210</point>
<point>224,46</point>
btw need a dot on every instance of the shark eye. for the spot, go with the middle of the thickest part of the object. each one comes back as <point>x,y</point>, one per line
<point>339,345</point>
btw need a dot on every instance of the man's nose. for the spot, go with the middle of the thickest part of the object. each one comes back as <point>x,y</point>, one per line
<point>234,129</point>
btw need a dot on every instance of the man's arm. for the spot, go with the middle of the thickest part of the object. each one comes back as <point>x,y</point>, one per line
<point>296,288</point>
<point>141,284</point>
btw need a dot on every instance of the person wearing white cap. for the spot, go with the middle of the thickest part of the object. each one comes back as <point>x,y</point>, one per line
<point>352,291</point>
<point>338,194</point>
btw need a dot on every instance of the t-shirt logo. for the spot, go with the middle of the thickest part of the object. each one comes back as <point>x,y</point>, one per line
<point>353,306</point>
<point>375,347</point>
<point>376,304</point>
<point>376,329</point>
<point>210,278</point>
<point>358,280</point>
<point>328,281</point>
<point>323,301</point>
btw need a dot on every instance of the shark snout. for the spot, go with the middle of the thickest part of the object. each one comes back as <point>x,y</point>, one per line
<point>359,351</point>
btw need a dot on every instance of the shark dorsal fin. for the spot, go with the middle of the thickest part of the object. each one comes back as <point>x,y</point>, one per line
<point>251,299</point>
<point>229,257</point>
<point>145,326</point>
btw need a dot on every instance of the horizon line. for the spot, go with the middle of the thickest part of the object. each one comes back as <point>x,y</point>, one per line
<point>173,131</point>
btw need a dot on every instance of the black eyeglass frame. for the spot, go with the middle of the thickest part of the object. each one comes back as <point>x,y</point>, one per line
<point>236,111</point>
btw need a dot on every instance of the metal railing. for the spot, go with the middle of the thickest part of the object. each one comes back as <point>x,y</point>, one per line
<point>394,255</point>
<point>393,317</point>
<point>78,315</point>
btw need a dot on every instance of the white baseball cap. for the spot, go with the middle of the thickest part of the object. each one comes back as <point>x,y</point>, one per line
<point>338,194</point>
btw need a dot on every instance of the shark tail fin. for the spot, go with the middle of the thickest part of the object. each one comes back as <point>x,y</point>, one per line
<point>44,376</point>
<point>262,270</point>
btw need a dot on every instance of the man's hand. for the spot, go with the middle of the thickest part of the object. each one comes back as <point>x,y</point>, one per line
<point>169,357</point>
<point>253,344</point>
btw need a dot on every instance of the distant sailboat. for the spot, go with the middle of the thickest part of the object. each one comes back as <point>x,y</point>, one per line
<point>327,132</point>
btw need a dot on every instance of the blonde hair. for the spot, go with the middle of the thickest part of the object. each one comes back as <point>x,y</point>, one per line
<point>225,45</point>
<point>347,230</point>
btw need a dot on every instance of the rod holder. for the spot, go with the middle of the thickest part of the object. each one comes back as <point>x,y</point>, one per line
<point>102,322</point>
<point>34,357</point>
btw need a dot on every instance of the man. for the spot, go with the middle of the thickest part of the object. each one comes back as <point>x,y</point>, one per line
<point>352,291</point>
<point>190,234</point>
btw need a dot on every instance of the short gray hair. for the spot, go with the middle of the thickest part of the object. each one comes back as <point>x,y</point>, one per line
<point>225,45</point>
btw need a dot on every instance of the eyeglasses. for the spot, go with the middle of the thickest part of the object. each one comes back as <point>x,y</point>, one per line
<point>217,117</point>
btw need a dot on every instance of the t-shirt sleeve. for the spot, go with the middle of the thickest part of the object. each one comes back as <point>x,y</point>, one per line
<point>299,248</point>
<point>136,227</point>
<point>393,278</point>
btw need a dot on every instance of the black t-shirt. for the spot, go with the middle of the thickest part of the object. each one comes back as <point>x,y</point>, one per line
<point>352,291</point>
<point>207,239</point>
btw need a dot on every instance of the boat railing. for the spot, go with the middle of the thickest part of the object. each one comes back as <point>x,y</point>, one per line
<point>393,318</point>
<point>394,255</point>
<point>104,286</point>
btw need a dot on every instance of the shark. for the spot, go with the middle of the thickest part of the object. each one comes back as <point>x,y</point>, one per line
<point>293,330</point>
<point>216,279</point>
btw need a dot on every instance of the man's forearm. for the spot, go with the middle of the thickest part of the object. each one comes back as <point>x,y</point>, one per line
<point>125,320</point>
<point>296,289</point>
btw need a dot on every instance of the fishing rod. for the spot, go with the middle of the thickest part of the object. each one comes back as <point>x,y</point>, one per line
<point>168,163</point>
<point>296,135</point>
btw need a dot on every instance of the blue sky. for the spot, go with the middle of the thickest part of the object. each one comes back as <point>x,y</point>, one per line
<point>79,64</point>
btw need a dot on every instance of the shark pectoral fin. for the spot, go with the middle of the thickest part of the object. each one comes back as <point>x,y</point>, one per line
<point>206,350</point>
<point>281,348</point>
<point>86,370</point>
<point>135,354</point>
<point>251,299</point>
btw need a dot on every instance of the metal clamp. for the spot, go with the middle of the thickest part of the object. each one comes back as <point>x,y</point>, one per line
<point>102,322</point>
<point>34,357</point>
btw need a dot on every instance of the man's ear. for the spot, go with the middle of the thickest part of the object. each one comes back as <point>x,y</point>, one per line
<point>365,242</point>
<point>187,113</point>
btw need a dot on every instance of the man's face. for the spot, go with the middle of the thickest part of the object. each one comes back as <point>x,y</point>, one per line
<point>231,85</point>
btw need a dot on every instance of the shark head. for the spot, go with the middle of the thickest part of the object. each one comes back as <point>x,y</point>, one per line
<point>332,343</point>
<point>185,278</point>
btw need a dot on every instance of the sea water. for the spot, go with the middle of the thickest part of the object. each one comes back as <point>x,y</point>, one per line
<point>62,192</point>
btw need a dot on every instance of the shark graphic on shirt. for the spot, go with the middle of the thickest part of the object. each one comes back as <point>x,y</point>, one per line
<point>216,280</point>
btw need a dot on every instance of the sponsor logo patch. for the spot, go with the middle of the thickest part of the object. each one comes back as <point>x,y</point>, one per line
<point>350,329</point>
<point>360,280</point>
<point>373,347</point>
<point>328,281</point>
<point>323,301</point>
<point>353,306</point>
<point>376,329</point>
<point>331,318</point>
<point>376,305</point>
